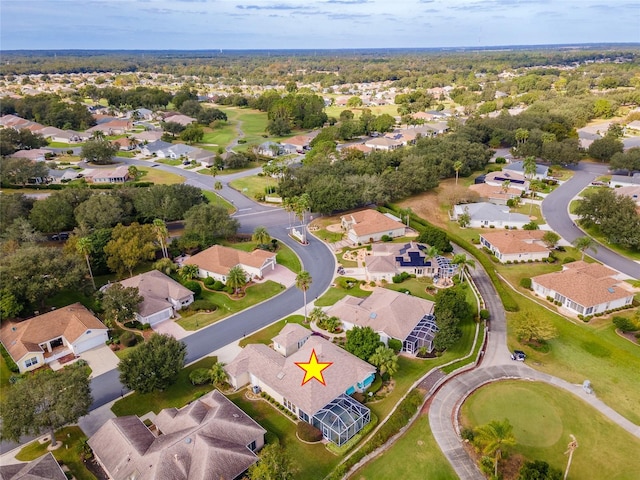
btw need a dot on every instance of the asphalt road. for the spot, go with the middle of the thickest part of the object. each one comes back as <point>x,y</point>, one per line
<point>555,209</point>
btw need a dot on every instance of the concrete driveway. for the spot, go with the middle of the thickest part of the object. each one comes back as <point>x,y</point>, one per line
<point>170,327</point>
<point>101,359</point>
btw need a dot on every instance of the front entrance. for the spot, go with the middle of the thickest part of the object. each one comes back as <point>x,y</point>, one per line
<point>58,342</point>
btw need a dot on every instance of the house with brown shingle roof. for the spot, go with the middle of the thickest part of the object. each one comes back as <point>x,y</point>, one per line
<point>217,261</point>
<point>107,175</point>
<point>392,315</point>
<point>584,288</point>
<point>368,226</point>
<point>328,407</point>
<point>42,339</point>
<point>516,245</point>
<point>162,296</point>
<point>209,439</point>
<point>494,193</point>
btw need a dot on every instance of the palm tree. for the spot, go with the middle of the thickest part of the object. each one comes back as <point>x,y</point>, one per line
<point>189,271</point>
<point>385,359</point>
<point>303,282</point>
<point>457,166</point>
<point>218,374</point>
<point>236,278</point>
<point>160,229</point>
<point>463,263</point>
<point>331,324</point>
<point>530,167</point>
<point>522,135</point>
<point>585,243</point>
<point>495,437</point>
<point>84,247</point>
<point>165,265</point>
<point>317,315</point>
<point>261,236</point>
<point>505,185</point>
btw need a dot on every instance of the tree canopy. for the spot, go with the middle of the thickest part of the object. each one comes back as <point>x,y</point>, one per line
<point>154,365</point>
<point>362,342</point>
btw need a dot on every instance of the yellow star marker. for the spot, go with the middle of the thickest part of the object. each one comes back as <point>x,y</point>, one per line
<point>313,368</point>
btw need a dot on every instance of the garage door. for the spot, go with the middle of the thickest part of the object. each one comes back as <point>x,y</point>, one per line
<point>89,343</point>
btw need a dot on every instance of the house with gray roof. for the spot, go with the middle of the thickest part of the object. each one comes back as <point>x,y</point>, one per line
<point>618,181</point>
<point>542,171</point>
<point>152,148</point>
<point>175,151</point>
<point>329,406</point>
<point>385,260</point>
<point>488,215</point>
<point>162,296</point>
<point>211,438</point>
<point>62,176</point>
<point>45,467</point>
<point>391,314</point>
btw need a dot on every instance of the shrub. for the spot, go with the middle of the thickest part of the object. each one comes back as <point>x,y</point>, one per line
<point>531,226</point>
<point>200,376</point>
<point>525,283</point>
<point>134,324</point>
<point>194,287</point>
<point>203,305</point>
<point>568,260</point>
<point>625,324</point>
<point>218,286</point>
<point>347,282</point>
<point>11,365</point>
<point>394,344</point>
<point>484,314</point>
<point>467,434</point>
<point>128,339</point>
<point>209,282</point>
<point>501,160</point>
<point>308,433</point>
<point>386,238</point>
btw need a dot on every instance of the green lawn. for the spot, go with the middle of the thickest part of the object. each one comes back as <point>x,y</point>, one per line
<point>71,437</point>
<point>253,186</point>
<point>418,445</point>
<point>312,461</point>
<point>267,333</point>
<point>417,287</point>
<point>221,136</point>
<point>543,417</point>
<point>327,236</point>
<point>531,210</point>
<point>216,199</point>
<point>594,232</point>
<point>174,162</point>
<point>156,176</point>
<point>587,351</point>
<point>177,395</point>
<point>336,293</point>
<point>68,146</point>
<point>228,306</point>
<point>5,374</point>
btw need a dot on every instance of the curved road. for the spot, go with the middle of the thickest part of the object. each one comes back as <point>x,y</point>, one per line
<point>555,209</point>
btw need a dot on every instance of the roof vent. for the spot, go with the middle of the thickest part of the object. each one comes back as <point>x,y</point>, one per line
<point>187,440</point>
<point>280,375</point>
<point>235,415</point>
<point>13,329</point>
<point>373,315</point>
<point>611,290</point>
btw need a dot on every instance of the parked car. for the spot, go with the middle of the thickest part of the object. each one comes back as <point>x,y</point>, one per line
<point>518,355</point>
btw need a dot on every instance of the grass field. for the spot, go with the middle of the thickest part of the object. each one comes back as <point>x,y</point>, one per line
<point>267,333</point>
<point>177,395</point>
<point>70,437</point>
<point>228,306</point>
<point>5,374</point>
<point>221,136</point>
<point>543,417</point>
<point>253,186</point>
<point>587,351</point>
<point>150,174</point>
<point>418,445</point>
<point>336,293</point>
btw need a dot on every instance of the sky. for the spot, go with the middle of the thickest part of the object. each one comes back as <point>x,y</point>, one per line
<point>312,24</point>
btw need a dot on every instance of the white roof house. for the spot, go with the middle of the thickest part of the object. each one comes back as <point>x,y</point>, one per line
<point>488,215</point>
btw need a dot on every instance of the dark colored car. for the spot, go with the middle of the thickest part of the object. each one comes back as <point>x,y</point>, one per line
<point>518,355</point>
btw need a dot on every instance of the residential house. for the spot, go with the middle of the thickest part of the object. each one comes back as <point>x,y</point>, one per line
<point>494,193</point>
<point>63,176</point>
<point>175,151</point>
<point>217,261</point>
<point>370,226</point>
<point>153,147</point>
<point>183,120</point>
<point>124,143</point>
<point>209,439</point>
<point>42,339</point>
<point>359,146</point>
<point>499,178</point>
<point>141,114</point>
<point>387,260</point>
<point>542,171</point>
<point>631,192</point>
<point>301,142</point>
<point>488,215</point>
<point>45,467</point>
<point>383,143</point>
<point>269,149</point>
<point>326,406</point>
<point>148,136</point>
<point>34,154</point>
<point>54,134</point>
<point>161,295</point>
<point>206,158</point>
<point>108,175</point>
<point>515,245</point>
<point>584,288</point>
<point>290,339</point>
<point>14,121</point>
<point>391,314</point>
<point>113,127</point>
<point>618,181</point>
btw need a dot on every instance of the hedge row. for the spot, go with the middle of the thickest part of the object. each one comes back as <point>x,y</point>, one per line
<point>8,360</point>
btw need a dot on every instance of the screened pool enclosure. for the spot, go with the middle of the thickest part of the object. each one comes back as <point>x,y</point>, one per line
<point>341,419</point>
